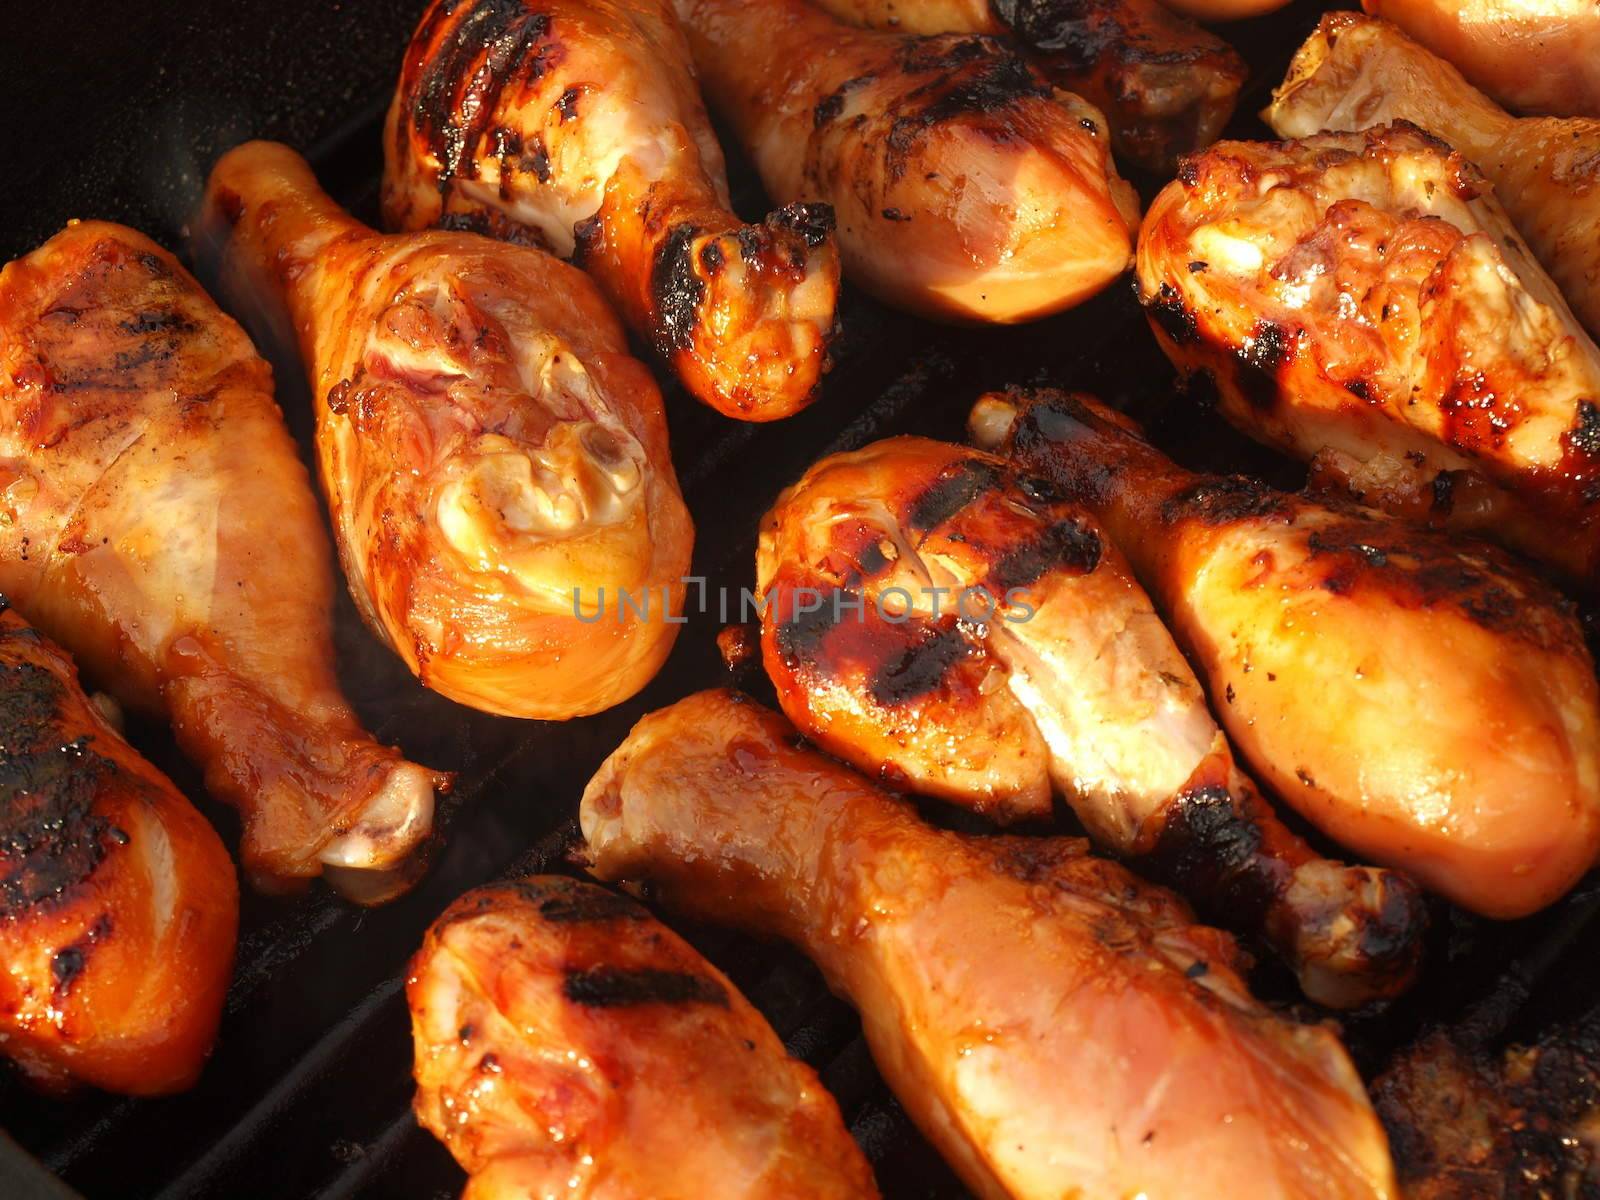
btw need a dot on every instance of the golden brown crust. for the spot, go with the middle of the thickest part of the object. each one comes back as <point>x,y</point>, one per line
<point>578,126</point>
<point>1362,301</point>
<point>566,1038</point>
<point>496,464</point>
<point>118,905</point>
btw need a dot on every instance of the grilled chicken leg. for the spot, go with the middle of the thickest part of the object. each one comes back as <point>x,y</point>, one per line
<point>577,123</point>
<point>1355,71</point>
<point>1056,1027</point>
<point>1420,698</point>
<point>964,185</point>
<point>1537,56</point>
<point>1362,301</point>
<point>155,520</point>
<point>118,905</point>
<point>495,463</point>
<point>568,1043</point>
<point>1166,86</point>
<point>933,619</point>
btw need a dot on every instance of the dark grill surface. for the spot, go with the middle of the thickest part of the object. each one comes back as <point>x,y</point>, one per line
<point>308,1093</point>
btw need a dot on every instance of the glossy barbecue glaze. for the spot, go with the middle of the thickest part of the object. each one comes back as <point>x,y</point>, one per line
<point>578,125</point>
<point>945,625</point>
<point>1421,698</point>
<point>1055,1026</point>
<point>569,1043</point>
<point>965,187</point>
<point>1355,71</point>
<point>1362,301</point>
<point>495,463</point>
<point>156,521</point>
<point>118,905</point>
<point>1538,56</point>
<point>1166,86</point>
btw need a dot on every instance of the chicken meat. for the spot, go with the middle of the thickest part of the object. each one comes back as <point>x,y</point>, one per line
<point>1355,71</point>
<point>155,520</point>
<point>568,1043</point>
<point>1361,300</point>
<point>944,625</point>
<point>118,904</point>
<point>577,124</point>
<point>1166,86</point>
<point>1054,1025</point>
<point>1421,698</point>
<point>495,463</point>
<point>1536,56</point>
<point>964,185</point>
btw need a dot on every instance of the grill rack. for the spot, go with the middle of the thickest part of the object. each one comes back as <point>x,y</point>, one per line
<point>308,1094</point>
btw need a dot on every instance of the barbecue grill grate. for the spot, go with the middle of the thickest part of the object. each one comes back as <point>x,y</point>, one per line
<point>309,1091</point>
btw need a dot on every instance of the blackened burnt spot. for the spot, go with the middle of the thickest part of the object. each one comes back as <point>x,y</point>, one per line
<point>50,838</point>
<point>1444,493</point>
<point>871,560</point>
<point>676,289</point>
<point>812,220</point>
<point>537,160</point>
<point>1176,319</point>
<point>1269,346</point>
<point>572,902</point>
<point>712,259</point>
<point>1189,170</point>
<point>957,486</point>
<point>457,92</point>
<point>1210,850</point>
<point>567,105</point>
<point>800,638</point>
<point>1584,437</point>
<point>585,235</point>
<point>1361,389</point>
<point>621,987</point>
<point>1222,500</point>
<point>922,667</point>
<point>976,77</point>
<point>70,962</point>
<point>1066,544</point>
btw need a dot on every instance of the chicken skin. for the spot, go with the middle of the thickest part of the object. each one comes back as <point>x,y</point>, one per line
<point>1355,71</point>
<point>118,905</point>
<point>1054,1025</point>
<point>1362,301</point>
<point>577,124</point>
<point>1420,698</point>
<point>965,187</point>
<point>568,1043</point>
<point>156,521</point>
<point>995,647</point>
<point>495,463</point>
<point>1166,86</point>
<point>1535,56</point>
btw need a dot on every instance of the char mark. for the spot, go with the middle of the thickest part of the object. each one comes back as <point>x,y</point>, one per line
<point>972,77</point>
<point>1222,500</point>
<point>1584,437</point>
<point>1070,545</point>
<point>1175,318</point>
<point>800,639</point>
<point>676,290</point>
<point>486,48</point>
<point>627,987</point>
<point>157,320</point>
<point>571,902</point>
<point>51,840</point>
<point>1268,348</point>
<point>920,669</point>
<point>957,486</point>
<point>813,221</point>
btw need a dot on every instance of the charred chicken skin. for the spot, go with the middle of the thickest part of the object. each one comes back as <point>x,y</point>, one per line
<point>156,521</point>
<point>1356,71</point>
<point>964,185</point>
<point>1362,301</point>
<point>1166,86</point>
<point>568,1043</point>
<point>577,124</point>
<point>995,647</point>
<point>118,905</point>
<point>495,463</point>
<point>1054,1025</point>
<point>1536,56</point>
<point>1422,699</point>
